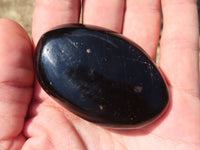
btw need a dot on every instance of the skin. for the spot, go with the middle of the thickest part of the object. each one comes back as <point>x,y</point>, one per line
<point>30,119</point>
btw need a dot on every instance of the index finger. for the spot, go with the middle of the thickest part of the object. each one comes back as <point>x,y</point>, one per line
<point>48,14</point>
<point>51,13</point>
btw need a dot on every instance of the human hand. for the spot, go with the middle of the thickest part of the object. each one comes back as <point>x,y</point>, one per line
<point>50,126</point>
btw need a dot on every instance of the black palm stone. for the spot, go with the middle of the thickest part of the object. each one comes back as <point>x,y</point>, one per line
<point>100,76</point>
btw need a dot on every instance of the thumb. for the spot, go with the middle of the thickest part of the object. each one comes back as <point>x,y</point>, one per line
<point>16,79</point>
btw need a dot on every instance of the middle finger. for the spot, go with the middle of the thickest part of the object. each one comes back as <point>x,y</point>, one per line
<point>105,13</point>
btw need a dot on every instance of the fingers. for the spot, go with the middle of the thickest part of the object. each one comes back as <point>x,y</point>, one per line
<point>48,14</point>
<point>51,13</point>
<point>16,79</point>
<point>179,45</point>
<point>105,13</point>
<point>142,24</point>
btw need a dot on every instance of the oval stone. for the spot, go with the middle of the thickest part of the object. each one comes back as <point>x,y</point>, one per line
<point>100,76</point>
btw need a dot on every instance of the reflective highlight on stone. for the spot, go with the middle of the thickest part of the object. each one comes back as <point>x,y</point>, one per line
<point>100,76</point>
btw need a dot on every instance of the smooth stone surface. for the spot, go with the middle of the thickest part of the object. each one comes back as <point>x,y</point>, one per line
<point>100,76</point>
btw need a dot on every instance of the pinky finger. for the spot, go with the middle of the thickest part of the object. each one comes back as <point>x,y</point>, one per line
<point>179,45</point>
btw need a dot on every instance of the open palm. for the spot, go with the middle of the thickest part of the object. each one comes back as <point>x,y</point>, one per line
<point>30,119</point>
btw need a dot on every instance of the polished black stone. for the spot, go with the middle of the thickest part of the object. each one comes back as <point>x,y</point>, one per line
<point>100,76</point>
